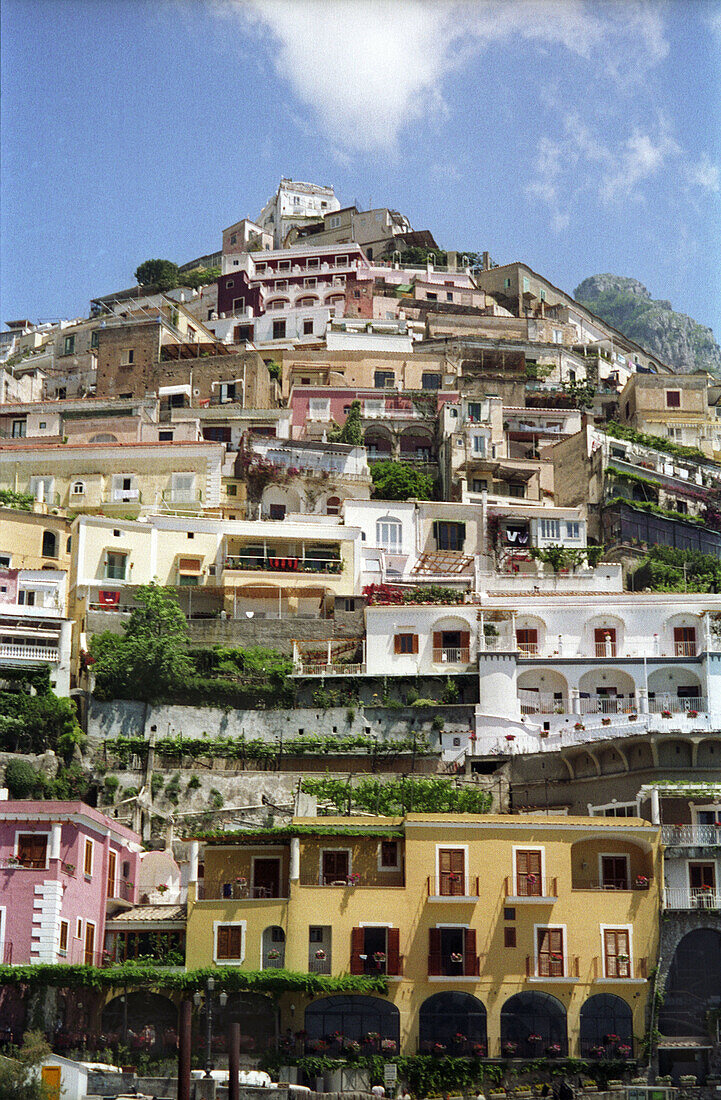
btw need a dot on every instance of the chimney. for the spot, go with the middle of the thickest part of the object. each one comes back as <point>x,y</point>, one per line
<point>486,261</point>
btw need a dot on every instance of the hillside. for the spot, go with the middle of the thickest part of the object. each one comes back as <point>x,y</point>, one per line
<point>627,305</point>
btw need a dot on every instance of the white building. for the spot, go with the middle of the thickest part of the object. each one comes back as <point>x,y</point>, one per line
<point>34,627</point>
<point>315,478</point>
<point>295,203</point>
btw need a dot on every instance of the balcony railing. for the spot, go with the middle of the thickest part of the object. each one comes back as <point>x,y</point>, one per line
<point>694,897</point>
<point>457,885</point>
<point>608,704</point>
<point>531,890</point>
<point>672,703</point>
<point>618,967</point>
<point>273,959</point>
<point>452,655</point>
<point>122,496</point>
<point>354,669</point>
<point>283,564</point>
<point>551,967</point>
<point>448,966</point>
<point>28,652</point>
<point>122,891</point>
<point>691,835</point>
<point>319,966</point>
<point>226,891</point>
<point>685,649</point>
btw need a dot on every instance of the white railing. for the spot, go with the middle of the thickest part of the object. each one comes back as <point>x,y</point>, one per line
<point>695,897</point>
<point>561,647</point>
<point>541,702</point>
<point>691,834</point>
<point>29,652</point>
<point>319,669</point>
<point>451,656</point>
<point>672,703</point>
<point>604,704</point>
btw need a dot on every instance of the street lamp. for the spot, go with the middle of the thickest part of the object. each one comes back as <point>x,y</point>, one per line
<point>222,1001</point>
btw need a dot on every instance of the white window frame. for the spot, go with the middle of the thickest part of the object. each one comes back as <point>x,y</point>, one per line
<point>715,806</point>
<point>348,851</point>
<point>545,524</point>
<point>550,928</point>
<point>48,481</point>
<point>78,489</point>
<point>341,261</point>
<point>334,221</point>
<point>479,445</point>
<point>89,874</point>
<point>238,305</point>
<point>312,264</point>
<point>92,924</point>
<point>280,284</point>
<point>63,951</point>
<point>79,929</point>
<point>179,493</point>
<point>514,881</point>
<point>598,810</point>
<point>391,546</point>
<point>310,282</point>
<point>32,832</point>
<point>127,357</point>
<point>573,529</point>
<point>614,855</point>
<point>283,265</point>
<point>116,554</point>
<point>457,847</point>
<point>603,928</point>
<point>243,925</point>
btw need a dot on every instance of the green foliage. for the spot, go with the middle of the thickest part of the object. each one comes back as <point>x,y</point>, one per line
<point>582,394</point>
<point>23,502</point>
<point>275,370</point>
<point>149,661</point>
<point>663,571</point>
<point>20,778</point>
<point>111,785</point>
<point>259,750</point>
<point>649,506</point>
<point>352,430</point>
<point>537,371</point>
<point>32,718</point>
<point>216,799</point>
<point>567,557</point>
<point>656,442</point>
<point>194,783</point>
<point>384,594</point>
<point>18,1075</point>
<point>450,691</point>
<point>199,276</point>
<point>399,796</point>
<point>172,788</point>
<point>400,481</point>
<point>160,274</point>
<point>418,254</point>
<point>157,782</point>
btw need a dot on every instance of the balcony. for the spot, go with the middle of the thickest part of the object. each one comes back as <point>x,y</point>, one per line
<point>242,891</point>
<point>452,888</point>
<point>319,965</point>
<point>528,891</point>
<point>285,564</point>
<point>693,897</point>
<point>619,968</point>
<point>454,965</point>
<point>457,655</point>
<point>273,958</point>
<point>122,892</point>
<point>28,652</point>
<point>553,968</point>
<point>122,496</point>
<point>691,835</point>
<point>353,669</point>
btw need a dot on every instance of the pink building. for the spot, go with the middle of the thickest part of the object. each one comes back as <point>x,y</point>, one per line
<point>64,867</point>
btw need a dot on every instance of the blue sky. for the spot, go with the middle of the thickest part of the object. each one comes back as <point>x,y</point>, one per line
<point>579,137</point>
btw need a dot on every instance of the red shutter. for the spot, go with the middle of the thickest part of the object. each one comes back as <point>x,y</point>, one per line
<point>434,952</point>
<point>438,639</point>
<point>397,643</point>
<point>465,639</point>
<point>357,943</point>
<point>414,647</point>
<point>393,951</point>
<point>470,962</point>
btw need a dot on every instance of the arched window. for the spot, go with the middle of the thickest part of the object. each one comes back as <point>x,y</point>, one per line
<point>50,544</point>
<point>352,1018</point>
<point>332,506</point>
<point>693,984</point>
<point>533,1025</point>
<point>78,488</point>
<point>273,948</point>
<point>389,534</point>
<point>454,1021</point>
<point>606,1027</point>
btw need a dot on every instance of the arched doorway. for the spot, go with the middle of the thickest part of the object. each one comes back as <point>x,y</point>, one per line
<point>606,1027</point>
<point>454,1021</point>
<point>532,1025</point>
<point>257,1017</point>
<point>273,948</point>
<point>151,1021</point>
<point>332,1022</point>
<point>693,984</point>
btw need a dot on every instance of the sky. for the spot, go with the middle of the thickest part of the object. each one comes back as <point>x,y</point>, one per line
<point>579,137</point>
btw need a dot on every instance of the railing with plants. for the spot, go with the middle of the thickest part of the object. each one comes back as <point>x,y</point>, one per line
<point>384,594</point>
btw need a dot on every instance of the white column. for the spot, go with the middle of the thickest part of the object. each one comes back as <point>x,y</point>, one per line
<point>575,701</point>
<point>642,700</point>
<point>194,850</point>
<point>55,834</point>
<point>655,807</point>
<point>294,858</point>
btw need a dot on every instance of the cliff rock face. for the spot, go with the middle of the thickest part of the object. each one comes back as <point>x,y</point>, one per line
<point>676,338</point>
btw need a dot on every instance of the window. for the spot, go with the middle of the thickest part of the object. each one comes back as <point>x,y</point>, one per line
<point>528,873</point>
<point>604,638</point>
<point>26,597</point>
<point>516,489</point>
<point>111,888</point>
<point>389,855</point>
<point>115,565</point>
<point>684,641</point>
<point>558,336</point>
<point>543,295</point>
<point>509,937</point>
<point>616,809</point>
<point>278,330</point>
<point>19,429</point>
<point>479,445</point>
<point>284,265</point>
<point>32,850</point>
<point>335,866</point>
<point>430,381</point>
<point>165,437</point>
<point>332,506</point>
<point>374,949</point>
<point>311,282</point>
<point>42,488</point>
<point>673,399</point>
<point>277,511</point>
<point>526,285</point>
<point>229,284</point>
<point>550,529</point>
<point>88,858</point>
<point>50,544</point>
<point>94,339</point>
<point>383,379</point>
<point>449,536</point>
<point>527,642</point>
<point>334,221</point>
<point>124,488</point>
<point>549,942</point>
<point>308,327</point>
<point>64,935</point>
<point>616,953</point>
<point>614,872</point>
<point>315,933</point>
<point>5,563</point>
<point>405,643</point>
<point>69,345</point>
<point>451,872</point>
<point>573,530</point>
<point>452,952</point>
<point>260,269</point>
<point>388,535</point>
<point>345,603</point>
<point>341,261</point>
<point>238,305</point>
<point>230,942</point>
<point>127,357</point>
<point>241,333</point>
<point>79,928</point>
<point>506,284</point>
<point>313,264</point>
<point>78,488</point>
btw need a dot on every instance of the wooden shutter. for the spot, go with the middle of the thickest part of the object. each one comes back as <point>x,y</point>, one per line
<point>615,944</point>
<point>414,643</point>
<point>550,953</point>
<point>465,639</point>
<point>397,644</point>
<point>437,639</point>
<point>235,940</point>
<point>393,948</point>
<point>357,943</point>
<point>31,850</point>
<point>528,863</point>
<point>470,958</point>
<point>223,942</point>
<point>452,866</point>
<point>527,637</point>
<point>434,952</point>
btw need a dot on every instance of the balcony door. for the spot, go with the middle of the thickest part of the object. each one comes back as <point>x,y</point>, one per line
<point>614,872</point>
<point>528,874</point>
<point>702,880</point>
<point>527,642</point>
<point>89,957</point>
<point>550,953</point>
<point>452,952</point>
<point>605,639</point>
<point>112,869</point>
<point>266,878</point>
<point>617,957</point>
<point>334,867</point>
<point>684,641</point>
<point>452,872</point>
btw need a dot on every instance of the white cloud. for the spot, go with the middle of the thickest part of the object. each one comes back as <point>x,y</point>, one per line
<point>704,174</point>
<point>370,69</point>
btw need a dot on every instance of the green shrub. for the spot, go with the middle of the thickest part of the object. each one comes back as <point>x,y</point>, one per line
<point>216,799</point>
<point>194,783</point>
<point>172,788</point>
<point>111,786</point>
<point>156,784</point>
<point>21,778</point>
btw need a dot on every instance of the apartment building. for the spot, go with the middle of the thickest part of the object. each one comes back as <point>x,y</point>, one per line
<point>65,868</point>
<point>301,476</point>
<point>35,629</point>
<point>498,936</point>
<point>676,408</point>
<point>295,203</point>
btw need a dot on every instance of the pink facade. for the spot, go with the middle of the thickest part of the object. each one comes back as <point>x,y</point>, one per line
<point>397,406</point>
<point>63,867</point>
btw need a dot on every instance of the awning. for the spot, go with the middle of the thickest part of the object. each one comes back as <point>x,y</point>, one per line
<point>171,391</point>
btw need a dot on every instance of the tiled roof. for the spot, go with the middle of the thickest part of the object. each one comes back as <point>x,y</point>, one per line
<point>146,913</point>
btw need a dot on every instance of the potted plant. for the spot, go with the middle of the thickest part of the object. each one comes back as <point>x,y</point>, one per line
<point>456,957</point>
<point>510,737</point>
<point>632,716</point>
<point>439,1048</point>
<point>479,1050</point>
<point>69,868</point>
<point>623,1050</point>
<point>274,953</point>
<point>553,1050</point>
<point>641,882</point>
<point>320,954</point>
<point>162,888</point>
<point>510,1048</point>
<point>352,880</point>
<point>379,957</point>
<point>605,721</point>
<point>388,1046</point>
<point>578,726</point>
<point>665,713</point>
<point>535,1038</point>
<point>351,1046</point>
<point>459,1038</point>
<point>692,713</point>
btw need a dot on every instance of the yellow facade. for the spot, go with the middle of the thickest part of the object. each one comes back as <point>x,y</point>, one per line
<point>25,538</point>
<point>598,879</point>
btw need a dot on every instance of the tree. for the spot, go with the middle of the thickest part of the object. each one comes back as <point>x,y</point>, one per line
<point>198,276</point>
<point>161,274</point>
<point>352,430</point>
<point>20,1076</point>
<point>397,481</point>
<point>20,778</point>
<point>150,660</point>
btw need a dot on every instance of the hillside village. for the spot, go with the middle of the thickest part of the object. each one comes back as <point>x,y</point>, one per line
<point>360,674</point>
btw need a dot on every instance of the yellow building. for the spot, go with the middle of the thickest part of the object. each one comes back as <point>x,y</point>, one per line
<point>497,935</point>
<point>33,540</point>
